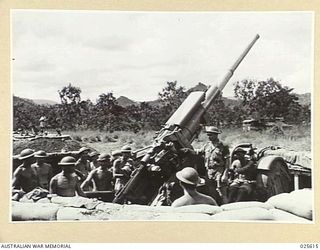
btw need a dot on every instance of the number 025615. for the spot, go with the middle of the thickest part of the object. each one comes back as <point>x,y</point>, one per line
<point>309,246</point>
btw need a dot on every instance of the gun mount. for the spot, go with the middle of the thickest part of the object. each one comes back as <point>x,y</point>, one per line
<point>178,132</point>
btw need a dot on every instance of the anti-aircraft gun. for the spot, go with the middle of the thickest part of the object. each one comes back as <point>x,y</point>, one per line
<point>178,132</point>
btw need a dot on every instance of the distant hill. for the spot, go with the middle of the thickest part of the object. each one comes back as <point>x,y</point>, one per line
<point>44,102</point>
<point>125,101</point>
<point>199,87</point>
<point>155,103</point>
<point>25,101</point>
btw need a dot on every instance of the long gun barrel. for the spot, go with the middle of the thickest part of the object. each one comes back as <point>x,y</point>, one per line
<point>178,132</point>
<point>190,120</point>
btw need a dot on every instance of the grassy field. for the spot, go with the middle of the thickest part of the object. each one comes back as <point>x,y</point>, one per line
<point>296,138</point>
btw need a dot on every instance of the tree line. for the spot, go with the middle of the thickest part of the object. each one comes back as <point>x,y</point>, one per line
<point>255,99</point>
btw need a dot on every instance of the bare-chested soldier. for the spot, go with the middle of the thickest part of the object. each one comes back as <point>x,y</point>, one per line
<point>25,178</point>
<point>189,179</point>
<point>82,166</point>
<point>93,156</point>
<point>43,169</point>
<point>123,168</point>
<point>101,176</point>
<point>66,183</point>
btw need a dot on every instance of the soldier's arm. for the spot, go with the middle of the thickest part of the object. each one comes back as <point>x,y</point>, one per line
<point>249,167</point>
<point>53,186</point>
<point>117,172</point>
<point>88,179</point>
<point>79,173</point>
<point>15,178</point>
<point>78,189</point>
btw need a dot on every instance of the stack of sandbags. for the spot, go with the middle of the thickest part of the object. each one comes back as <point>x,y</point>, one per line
<point>283,216</point>
<point>71,213</point>
<point>298,202</point>
<point>182,216</point>
<point>76,201</point>
<point>246,210</point>
<point>34,211</point>
<point>198,209</point>
<point>246,204</point>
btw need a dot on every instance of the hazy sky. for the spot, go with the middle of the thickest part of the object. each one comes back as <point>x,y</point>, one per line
<point>135,53</point>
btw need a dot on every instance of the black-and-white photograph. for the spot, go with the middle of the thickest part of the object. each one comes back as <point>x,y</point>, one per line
<point>162,116</point>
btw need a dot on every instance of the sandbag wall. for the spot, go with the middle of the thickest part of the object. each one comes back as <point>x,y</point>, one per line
<point>295,207</point>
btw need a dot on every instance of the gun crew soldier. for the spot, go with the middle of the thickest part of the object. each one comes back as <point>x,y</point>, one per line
<point>101,176</point>
<point>189,180</point>
<point>82,167</point>
<point>216,156</point>
<point>245,172</point>
<point>25,178</point>
<point>66,183</point>
<point>123,168</point>
<point>94,160</point>
<point>43,169</point>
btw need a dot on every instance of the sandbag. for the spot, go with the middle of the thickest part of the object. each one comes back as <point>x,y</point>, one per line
<point>142,208</point>
<point>201,208</point>
<point>245,204</point>
<point>44,200</point>
<point>253,213</point>
<point>75,201</point>
<point>34,211</point>
<point>70,213</point>
<point>298,202</point>
<point>106,206</point>
<point>123,214</point>
<point>183,216</point>
<point>280,215</point>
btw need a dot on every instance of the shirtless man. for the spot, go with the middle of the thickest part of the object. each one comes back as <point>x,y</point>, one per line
<point>94,160</point>
<point>189,180</point>
<point>101,176</point>
<point>82,166</point>
<point>43,169</point>
<point>66,183</point>
<point>123,168</point>
<point>25,178</point>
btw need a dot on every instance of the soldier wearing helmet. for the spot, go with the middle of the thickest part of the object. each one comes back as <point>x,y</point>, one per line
<point>82,167</point>
<point>216,156</point>
<point>123,168</point>
<point>189,180</point>
<point>43,169</point>
<point>94,160</point>
<point>101,176</point>
<point>66,183</point>
<point>25,177</point>
<point>244,168</point>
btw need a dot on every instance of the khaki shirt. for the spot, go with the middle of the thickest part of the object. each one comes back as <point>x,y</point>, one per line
<point>215,155</point>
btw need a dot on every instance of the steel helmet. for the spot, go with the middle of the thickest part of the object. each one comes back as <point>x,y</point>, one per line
<point>104,157</point>
<point>94,153</point>
<point>40,154</point>
<point>83,149</point>
<point>126,149</point>
<point>212,129</point>
<point>116,153</point>
<point>67,161</point>
<point>26,153</point>
<point>190,176</point>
